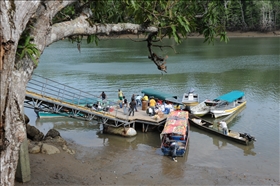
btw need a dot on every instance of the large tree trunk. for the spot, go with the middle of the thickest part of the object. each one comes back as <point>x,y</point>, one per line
<point>14,16</point>
<point>15,73</point>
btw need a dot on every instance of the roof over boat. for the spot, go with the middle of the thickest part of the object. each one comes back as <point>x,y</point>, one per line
<point>158,94</point>
<point>231,96</point>
<point>176,123</point>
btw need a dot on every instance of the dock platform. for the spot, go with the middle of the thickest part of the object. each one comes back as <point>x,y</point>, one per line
<point>45,95</point>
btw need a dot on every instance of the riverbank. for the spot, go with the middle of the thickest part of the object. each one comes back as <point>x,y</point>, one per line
<point>234,34</point>
<point>94,166</point>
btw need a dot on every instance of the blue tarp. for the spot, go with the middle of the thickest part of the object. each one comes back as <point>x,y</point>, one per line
<point>157,94</point>
<point>231,96</point>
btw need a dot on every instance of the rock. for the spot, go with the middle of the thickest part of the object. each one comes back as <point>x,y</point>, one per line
<point>52,133</point>
<point>64,147</point>
<point>26,119</point>
<point>35,150</point>
<point>38,137</point>
<point>57,140</point>
<point>33,133</point>
<point>127,132</point>
<point>49,149</point>
<point>71,151</point>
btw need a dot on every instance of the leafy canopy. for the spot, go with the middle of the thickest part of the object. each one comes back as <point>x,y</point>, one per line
<point>174,18</point>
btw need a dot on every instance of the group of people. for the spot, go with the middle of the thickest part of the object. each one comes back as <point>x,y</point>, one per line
<point>154,105</point>
<point>131,106</point>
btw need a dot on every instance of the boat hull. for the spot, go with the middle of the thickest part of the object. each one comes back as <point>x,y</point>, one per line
<point>242,138</point>
<point>200,109</point>
<point>180,152</point>
<point>219,113</point>
<point>50,115</point>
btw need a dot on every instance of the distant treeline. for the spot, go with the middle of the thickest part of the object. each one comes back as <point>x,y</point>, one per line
<point>252,15</point>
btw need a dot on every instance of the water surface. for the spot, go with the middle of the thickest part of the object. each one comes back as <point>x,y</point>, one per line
<point>247,64</point>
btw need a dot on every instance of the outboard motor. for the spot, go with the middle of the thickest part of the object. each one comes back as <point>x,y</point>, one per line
<point>249,137</point>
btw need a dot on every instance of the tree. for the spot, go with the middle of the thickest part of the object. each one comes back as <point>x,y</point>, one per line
<point>27,27</point>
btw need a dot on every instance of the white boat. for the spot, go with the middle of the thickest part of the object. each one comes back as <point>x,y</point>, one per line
<point>191,98</point>
<point>228,103</point>
<point>202,108</point>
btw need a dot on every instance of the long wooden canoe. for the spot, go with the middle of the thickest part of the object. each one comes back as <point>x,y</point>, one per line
<point>242,138</point>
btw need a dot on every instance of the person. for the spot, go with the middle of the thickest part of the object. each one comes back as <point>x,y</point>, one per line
<point>103,96</point>
<point>174,147</point>
<point>170,106</point>
<point>152,104</point>
<point>125,105</point>
<point>138,100</point>
<point>120,95</point>
<point>145,98</point>
<point>223,124</point>
<point>162,107</point>
<point>177,107</point>
<point>132,105</point>
<point>133,98</point>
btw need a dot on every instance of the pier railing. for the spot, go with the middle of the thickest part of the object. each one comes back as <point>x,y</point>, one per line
<point>50,88</point>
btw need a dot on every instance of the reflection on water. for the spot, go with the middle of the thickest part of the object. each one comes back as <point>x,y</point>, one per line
<point>174,169</point>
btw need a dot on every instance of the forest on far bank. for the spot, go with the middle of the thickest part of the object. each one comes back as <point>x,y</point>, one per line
<point>252,15</point>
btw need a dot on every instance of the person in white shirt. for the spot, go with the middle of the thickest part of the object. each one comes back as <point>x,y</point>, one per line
<point>138,100</point>
<point>223,124</point>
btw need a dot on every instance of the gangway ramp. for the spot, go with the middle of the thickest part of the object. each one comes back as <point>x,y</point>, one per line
<point>45,95</point>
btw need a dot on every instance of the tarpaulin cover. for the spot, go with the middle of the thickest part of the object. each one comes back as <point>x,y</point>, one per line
<point>158,94</point>
<point>176,122</point>
<point>231,96</point>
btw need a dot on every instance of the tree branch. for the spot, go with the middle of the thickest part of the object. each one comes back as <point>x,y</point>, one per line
<point>80,26</point>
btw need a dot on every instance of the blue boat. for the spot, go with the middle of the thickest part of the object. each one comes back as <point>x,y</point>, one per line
<point>175,134</point>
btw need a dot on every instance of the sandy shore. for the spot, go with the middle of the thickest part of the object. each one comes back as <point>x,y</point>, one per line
<point>94,166</point>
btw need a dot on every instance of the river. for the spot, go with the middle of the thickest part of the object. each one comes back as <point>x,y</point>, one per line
<point>247,64</point>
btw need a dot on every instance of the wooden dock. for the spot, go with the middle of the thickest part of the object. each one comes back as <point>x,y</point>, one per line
<point>43,96</point>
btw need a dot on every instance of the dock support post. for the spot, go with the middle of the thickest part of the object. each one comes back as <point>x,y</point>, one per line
<point>147,128</point>
<point>143,127</point>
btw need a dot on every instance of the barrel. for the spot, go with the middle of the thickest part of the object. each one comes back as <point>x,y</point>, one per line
<point>144,105</point>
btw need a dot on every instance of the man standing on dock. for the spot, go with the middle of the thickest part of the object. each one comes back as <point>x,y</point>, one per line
<point>132,105</point>
<point>120,95</point>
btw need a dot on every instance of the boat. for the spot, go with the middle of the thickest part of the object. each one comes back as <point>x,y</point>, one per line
<point>176,129</point>
<point>201,109</point>
<point>227,103</point>
<point>242,138</point>
<point>160,95</point>
<point>100,106</point>
<point>190,98</point>
<point>44,114</point>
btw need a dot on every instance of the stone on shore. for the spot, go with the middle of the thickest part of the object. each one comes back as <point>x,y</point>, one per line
<point>35,150</point>
<point>33,133</point>
<point>49,149</point>
<point>52,133</point>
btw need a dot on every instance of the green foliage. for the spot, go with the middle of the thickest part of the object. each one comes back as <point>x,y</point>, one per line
<point>92,38</point>
<point>176,18</point>
<point>26,48</point>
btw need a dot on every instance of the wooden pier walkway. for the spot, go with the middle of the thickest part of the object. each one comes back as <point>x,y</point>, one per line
<point>45,95</point>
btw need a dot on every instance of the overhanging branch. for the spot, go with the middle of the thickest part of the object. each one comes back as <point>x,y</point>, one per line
<point>80,26</point>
